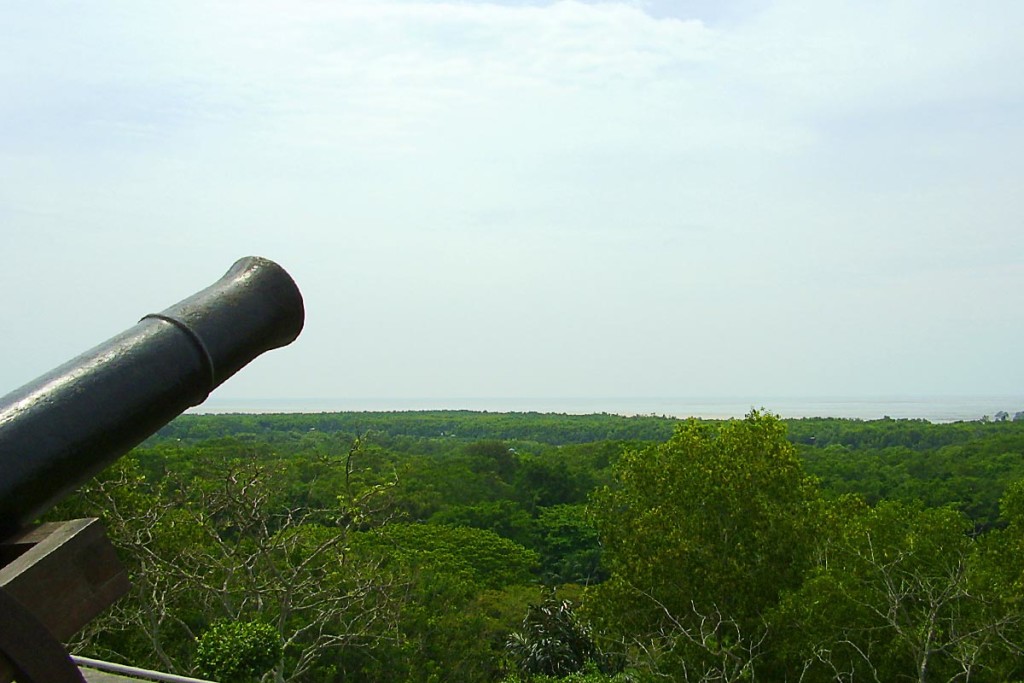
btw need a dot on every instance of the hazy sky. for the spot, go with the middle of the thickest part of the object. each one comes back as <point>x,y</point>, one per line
<point>694,198</point>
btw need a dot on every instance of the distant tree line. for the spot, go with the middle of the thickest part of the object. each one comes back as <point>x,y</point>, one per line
<point>442,546</point>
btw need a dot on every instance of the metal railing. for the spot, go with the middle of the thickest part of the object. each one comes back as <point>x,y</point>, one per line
<point>133,671</point>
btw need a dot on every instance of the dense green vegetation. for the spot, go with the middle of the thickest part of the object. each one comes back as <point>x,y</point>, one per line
<point>459,546</point>
<point>546,428</point>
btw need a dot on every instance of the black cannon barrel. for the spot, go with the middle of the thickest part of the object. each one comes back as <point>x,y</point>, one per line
<point>60,430</point>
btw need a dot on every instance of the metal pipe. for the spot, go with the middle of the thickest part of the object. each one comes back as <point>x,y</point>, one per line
<point>133,671</point>
<point>60,430</point>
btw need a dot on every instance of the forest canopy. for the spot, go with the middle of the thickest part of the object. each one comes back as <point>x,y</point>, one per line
<point>431,546</point>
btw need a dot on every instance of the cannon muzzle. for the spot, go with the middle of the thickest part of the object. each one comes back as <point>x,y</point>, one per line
<point>60,430</point>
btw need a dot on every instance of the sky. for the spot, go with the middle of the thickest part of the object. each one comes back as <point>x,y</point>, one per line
<point>529,198</point>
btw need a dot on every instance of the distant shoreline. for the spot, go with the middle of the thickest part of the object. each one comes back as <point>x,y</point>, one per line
<point>933,409</point>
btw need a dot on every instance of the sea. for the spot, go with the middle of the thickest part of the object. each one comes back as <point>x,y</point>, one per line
<point>930,408</point>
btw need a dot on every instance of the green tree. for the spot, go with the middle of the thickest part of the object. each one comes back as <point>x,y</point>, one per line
<point>228,549</point>
<point>238,652</point>
<point>457,579</point>
<point>504,517</point>
<point>700,535</point>
<point>1000,574</point>
<point>893,597</point>
<point>553,641</point>
<point>569,546</point>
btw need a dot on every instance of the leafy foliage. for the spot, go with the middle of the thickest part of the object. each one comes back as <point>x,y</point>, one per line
<point>553,641</point>
<point>408,546</point>
<point>238,652</point>
<point>548,428</point>
<point>719,516</point>
<point>893,592</point>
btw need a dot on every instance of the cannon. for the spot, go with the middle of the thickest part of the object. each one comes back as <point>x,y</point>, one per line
<point>60,430</point>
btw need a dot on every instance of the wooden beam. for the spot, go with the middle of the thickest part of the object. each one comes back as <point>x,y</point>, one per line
<point>64,573</point>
